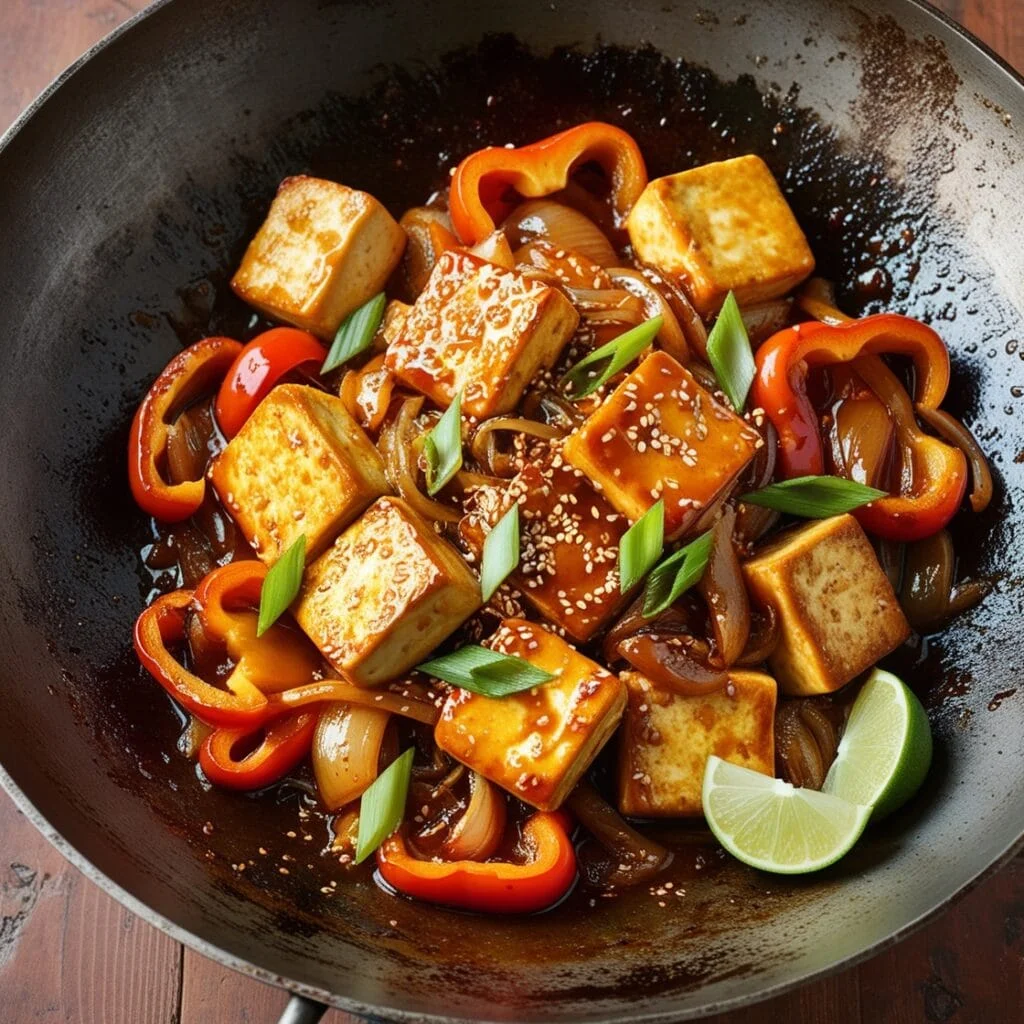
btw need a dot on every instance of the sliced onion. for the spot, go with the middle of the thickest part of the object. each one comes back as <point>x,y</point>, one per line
<point>890,558</point>
<point>763,319</point>
<point>420,257</point>
<point>817,298</point>
<point>560,225</point>
<point>395,698</point>
<point>952,431</point>
<point>188,444</point>
<point>687,317</point>
<point>479,831</point>
<point>484,443</point>
<point>860,430</point>
<point>346,752</point>
<point>396,445</point>
<point>675,663</point>
<point>367,392</point>
<point>928,581</point>
<point>671,337</point>
<point>765,633</point>
<point>495,249</point>
<point>806,741</point>
<point>724,591</point>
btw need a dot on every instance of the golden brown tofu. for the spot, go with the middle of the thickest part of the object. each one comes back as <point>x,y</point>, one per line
<point>836,607</point>
<point>724,226</point>
<point>667,739</point>
<point>536,744</point>
<point>569,546</point>
<point>661,435</point>
<point>385,594</point>
<point>482,330</point>
<point>300,465</point>
<point>322,252</point>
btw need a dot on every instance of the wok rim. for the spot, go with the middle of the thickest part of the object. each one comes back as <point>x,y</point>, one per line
<point>213,952</point>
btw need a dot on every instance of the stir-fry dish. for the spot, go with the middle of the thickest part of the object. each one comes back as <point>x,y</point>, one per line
<point>565,502</point>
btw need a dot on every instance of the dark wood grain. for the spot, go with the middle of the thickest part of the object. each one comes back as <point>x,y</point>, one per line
<point>68,953</point>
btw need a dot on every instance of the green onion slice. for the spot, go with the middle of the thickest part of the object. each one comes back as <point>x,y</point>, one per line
<point>281,585</point>
<point>443,447</point>
<point>603,363</point>
<point>355,333</point>
<point>382,805</point>
<point>641,546</point>
<point>486,672</point>
<point>677,574</point>
<point>730,354</point>
<point>814,497</point>
<point>501,552</point>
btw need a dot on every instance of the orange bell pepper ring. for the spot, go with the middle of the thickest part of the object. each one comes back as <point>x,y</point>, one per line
<point>490,886</point>
<point>187,377</point>
<point>480,192</point>
<point>284,743</point>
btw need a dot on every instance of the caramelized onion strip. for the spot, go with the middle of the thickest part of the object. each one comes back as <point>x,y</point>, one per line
<point>671,337</point>
<point>765,633</point>
<point>952,431</point>
<point>724,591</point>
<point>346,751</point>
<point>560,225</point>
<point>483,445</point>
<point>673,662</point>
<point>478,832</point>
<point>928,581</point>
<point>342,690</point>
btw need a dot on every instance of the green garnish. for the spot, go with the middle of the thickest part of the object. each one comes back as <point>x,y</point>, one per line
<point>641,546</point>
<point>486,672</point>
<point>730,354</point>
<point>673,577</point>
<point>281,585</point>
<point>595,369</point>
<point>382,805</point>
<point>443,447</point>
<point>355,333</point>
<point>501,552</point>
<point>814,497</point>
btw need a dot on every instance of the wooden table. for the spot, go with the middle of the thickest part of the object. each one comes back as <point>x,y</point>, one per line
<point>69,953</point>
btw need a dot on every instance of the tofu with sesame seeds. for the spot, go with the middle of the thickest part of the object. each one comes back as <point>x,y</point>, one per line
<point>481,330</point>
<point>569,546</point>
<point>300,465</point>
<point>385,594</point>
<point>718,228</point>
<point>667,739</point>
<point>536,744</point>
<point>837,611</point>
<point>323,251</point>
<point>661,435</point>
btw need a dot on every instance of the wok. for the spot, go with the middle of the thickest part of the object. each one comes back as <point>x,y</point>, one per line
<point>129,193</point>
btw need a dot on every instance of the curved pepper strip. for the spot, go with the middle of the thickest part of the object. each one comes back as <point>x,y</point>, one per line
<point>285,742</point>
<point>190,374</point>
<point>783,360</point>
<point>489,886</point>
<point>257,368</point>
<point>478,196</point>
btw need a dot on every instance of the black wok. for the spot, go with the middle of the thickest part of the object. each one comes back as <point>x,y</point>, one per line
<point>128,195</point>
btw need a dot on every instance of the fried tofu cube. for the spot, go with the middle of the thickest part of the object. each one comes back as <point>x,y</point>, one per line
<point>569,539</point>
<point>719,228</point>
<point>481,330</point>
<point>536,744</point>
<point>322,252</point>
<point>661,435</point>
<point>837,610</point>
<point>300,465</point>
<point>385,594</point>
<point>667,739</point>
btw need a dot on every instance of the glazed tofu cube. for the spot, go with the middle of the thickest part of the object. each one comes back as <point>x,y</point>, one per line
<point>836,607</point>
<point>721,227</point>
<point>481,330</point>
<point>667,739</point>
<point>300,465</point>
<point>661,435</point>
<point>536,744</point>
<point>322,252</point>
<point>385,594</point>
<point>569,546</point>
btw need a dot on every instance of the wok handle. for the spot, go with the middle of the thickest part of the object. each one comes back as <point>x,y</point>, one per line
<point>301,1010</point>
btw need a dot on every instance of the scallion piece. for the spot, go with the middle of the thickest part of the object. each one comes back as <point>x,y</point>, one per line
<point>501,552</point>
<point>281,585</point>
<point>486,672</point>
<point>641,546</point>
<point>603,363</point>
<point>673,577</point>
<point>443,447</point>
<point>814,497</point>
<point>382,805</point>
<point>355,333</point>
<point>730,354</point>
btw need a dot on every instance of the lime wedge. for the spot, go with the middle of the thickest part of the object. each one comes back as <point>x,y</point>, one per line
<point>771,825</point>
<point>886,749</point>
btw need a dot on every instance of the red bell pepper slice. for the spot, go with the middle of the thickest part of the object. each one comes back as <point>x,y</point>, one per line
<point>257,368</point>
<point>490,886</point>
<point>479,192</point>
<point>190,374</point>
<point>284,743</point>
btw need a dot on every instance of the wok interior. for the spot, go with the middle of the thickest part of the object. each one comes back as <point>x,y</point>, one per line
<point>129,199</point>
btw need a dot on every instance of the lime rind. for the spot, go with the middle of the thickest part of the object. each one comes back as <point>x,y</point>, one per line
<point>773,826</point>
